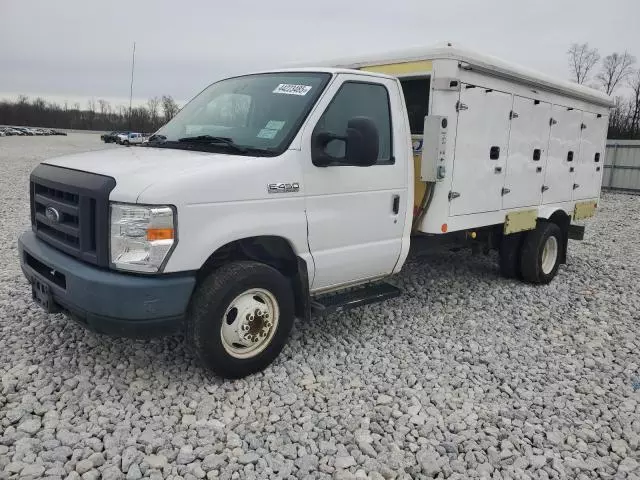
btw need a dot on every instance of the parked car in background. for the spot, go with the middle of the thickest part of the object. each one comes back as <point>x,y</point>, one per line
<point>131,138</point>
<point>111,137</point>
<point>57,132</point>
<point>10,131</point>
<point>25,130</point>
<point>2,134</point>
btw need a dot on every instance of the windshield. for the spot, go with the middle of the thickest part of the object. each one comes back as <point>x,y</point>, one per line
<point>253,112</point>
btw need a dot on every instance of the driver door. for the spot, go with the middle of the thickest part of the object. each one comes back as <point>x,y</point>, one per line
<point>356,215</point>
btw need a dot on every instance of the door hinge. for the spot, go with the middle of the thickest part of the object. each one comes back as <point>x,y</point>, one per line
<point>505,191</point>
<point>552,121</point>
<point>575,185</point>
<point>453,195</point>
<point>513,115</point>
<point>544,188</point>
<point>461,106</point>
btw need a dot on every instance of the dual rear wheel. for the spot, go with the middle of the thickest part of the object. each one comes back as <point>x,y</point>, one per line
<point>533,256</point>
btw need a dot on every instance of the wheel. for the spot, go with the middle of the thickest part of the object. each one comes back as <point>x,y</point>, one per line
<point>510,247</point>
<point>541,253</point>
<point>126,142</point>
<point>240,317</point>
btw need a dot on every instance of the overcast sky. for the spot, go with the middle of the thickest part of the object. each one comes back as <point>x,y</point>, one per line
<point>77,49</point>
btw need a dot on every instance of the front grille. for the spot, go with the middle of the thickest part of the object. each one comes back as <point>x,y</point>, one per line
<point>79,207</point>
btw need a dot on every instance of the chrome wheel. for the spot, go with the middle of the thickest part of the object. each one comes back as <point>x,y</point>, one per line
<point>549,255</point>
<point>249,323</point>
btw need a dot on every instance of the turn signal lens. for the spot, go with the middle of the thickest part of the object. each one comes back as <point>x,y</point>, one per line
<point>159,234</point>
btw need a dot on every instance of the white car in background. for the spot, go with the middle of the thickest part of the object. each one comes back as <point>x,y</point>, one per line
<point>131,138</point>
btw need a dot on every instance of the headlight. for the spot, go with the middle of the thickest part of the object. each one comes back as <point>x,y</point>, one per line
<point>142,237</point>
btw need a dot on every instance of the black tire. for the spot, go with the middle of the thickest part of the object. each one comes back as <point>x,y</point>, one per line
<point>532,252</point>
<point>510,247</point>
<point>126,143</point>
<point>209,305</point>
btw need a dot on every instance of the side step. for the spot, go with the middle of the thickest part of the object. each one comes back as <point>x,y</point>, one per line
<point>340,302</point>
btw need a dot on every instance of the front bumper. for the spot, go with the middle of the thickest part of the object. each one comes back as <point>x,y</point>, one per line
<point>105,301</point>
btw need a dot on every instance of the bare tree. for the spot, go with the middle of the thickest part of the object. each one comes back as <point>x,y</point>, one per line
<point>615,68</point>
<point>169,107</point>
<point>634,104</point>
<point>153,105</point>
<point>104,107</point>
<point>582,59</point>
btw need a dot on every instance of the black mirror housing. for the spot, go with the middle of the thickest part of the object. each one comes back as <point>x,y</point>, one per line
<point>363,142</point>
<point>361,145</point>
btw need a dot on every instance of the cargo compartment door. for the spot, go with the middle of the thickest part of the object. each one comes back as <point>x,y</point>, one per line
<point>527,159</point>
<point>564,149</point>
<point>481,148</point>
<point>588,173</point>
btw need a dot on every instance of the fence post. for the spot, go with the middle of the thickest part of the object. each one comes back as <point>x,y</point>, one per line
<point>613,164</point>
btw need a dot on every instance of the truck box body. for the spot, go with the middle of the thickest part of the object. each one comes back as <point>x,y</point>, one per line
<point>514,140</point>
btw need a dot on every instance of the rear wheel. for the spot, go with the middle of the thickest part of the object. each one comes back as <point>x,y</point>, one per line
<point>541,253</point>
<point>240,317</point>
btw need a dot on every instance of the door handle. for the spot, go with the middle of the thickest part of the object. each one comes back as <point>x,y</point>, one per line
<point>497,170</point>
<point>396,204</point>
<point>538,169</point>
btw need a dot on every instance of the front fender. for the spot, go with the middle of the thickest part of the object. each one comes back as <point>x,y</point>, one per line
<point>204,228</point>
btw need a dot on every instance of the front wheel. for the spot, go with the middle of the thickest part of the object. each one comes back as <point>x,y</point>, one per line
<point>240,317</point>
<point>541,253</point>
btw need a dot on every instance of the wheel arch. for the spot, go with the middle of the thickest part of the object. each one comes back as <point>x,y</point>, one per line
<point>275,251</point>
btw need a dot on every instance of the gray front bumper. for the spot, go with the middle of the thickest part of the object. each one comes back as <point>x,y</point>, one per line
<point>106,301</point>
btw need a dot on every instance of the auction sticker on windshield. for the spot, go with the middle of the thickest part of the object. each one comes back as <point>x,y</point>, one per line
<point>290,89</point>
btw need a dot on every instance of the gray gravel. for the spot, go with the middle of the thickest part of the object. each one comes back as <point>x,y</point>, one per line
<point>467,375</point>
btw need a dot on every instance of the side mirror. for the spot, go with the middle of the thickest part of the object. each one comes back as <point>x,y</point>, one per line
<point>360,149</point>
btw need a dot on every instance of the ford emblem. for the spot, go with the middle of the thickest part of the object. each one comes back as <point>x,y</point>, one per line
<point>52,214</point>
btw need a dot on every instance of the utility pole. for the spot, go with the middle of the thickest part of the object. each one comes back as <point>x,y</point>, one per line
<point>133,64</point>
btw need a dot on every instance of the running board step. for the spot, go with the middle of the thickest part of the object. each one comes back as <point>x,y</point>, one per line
<point>340,302</point>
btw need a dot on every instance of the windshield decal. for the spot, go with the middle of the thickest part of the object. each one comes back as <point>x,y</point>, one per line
<point>275,124</point>
<point>267,133</point>
<point>290,89</point>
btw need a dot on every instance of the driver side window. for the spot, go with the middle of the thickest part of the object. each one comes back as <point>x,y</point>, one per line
<point>358,99</point>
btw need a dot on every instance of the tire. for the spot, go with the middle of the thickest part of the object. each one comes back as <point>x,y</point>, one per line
<point>536,259</point>
<point>126,143</point>
<point>510,248</point>
<point>236,286</point>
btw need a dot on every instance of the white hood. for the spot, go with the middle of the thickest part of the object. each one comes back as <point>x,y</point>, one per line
<point>135,169</point>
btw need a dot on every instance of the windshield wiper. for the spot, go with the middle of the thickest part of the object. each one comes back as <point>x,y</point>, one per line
<point>212,140</point>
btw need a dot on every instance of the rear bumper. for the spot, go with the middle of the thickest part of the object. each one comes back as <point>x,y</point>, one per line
<point>105,301</point>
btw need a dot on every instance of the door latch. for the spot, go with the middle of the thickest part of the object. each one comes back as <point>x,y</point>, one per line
<point>461,106</point>
<point>505,191</point>
<point>453,195</point>
<point>396,204</point>
<point>513,115</point>
<point>544,188</point>
<point>575,185</point>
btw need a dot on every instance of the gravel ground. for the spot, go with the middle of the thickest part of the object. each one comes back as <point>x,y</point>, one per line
<point>466,375</point>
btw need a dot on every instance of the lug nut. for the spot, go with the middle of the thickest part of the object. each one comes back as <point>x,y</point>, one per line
<point>245,328</point>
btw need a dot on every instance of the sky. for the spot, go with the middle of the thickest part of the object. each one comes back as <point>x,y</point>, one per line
<point>75,50</point>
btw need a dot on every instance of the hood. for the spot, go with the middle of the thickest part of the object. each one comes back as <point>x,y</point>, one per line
<point>135,169</point>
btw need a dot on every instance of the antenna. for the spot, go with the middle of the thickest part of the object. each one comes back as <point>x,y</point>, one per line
<point>133,64</point>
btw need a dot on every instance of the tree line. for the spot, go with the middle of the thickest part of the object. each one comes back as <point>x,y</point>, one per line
<point>610,74</point>
<point>98,115</point>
